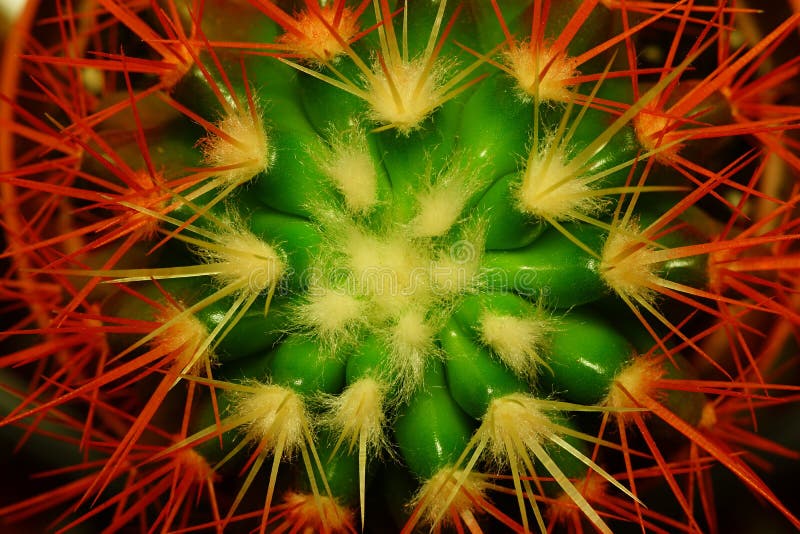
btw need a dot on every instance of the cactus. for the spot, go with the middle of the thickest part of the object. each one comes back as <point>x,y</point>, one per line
<point>330,266</point>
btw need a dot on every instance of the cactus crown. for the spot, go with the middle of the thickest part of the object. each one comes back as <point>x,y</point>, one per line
<point>342,256</point>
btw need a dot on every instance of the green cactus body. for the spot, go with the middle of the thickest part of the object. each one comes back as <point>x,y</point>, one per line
<point>420,236</point>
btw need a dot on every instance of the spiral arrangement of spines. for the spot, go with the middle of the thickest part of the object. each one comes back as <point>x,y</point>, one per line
<point>469,249</point>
